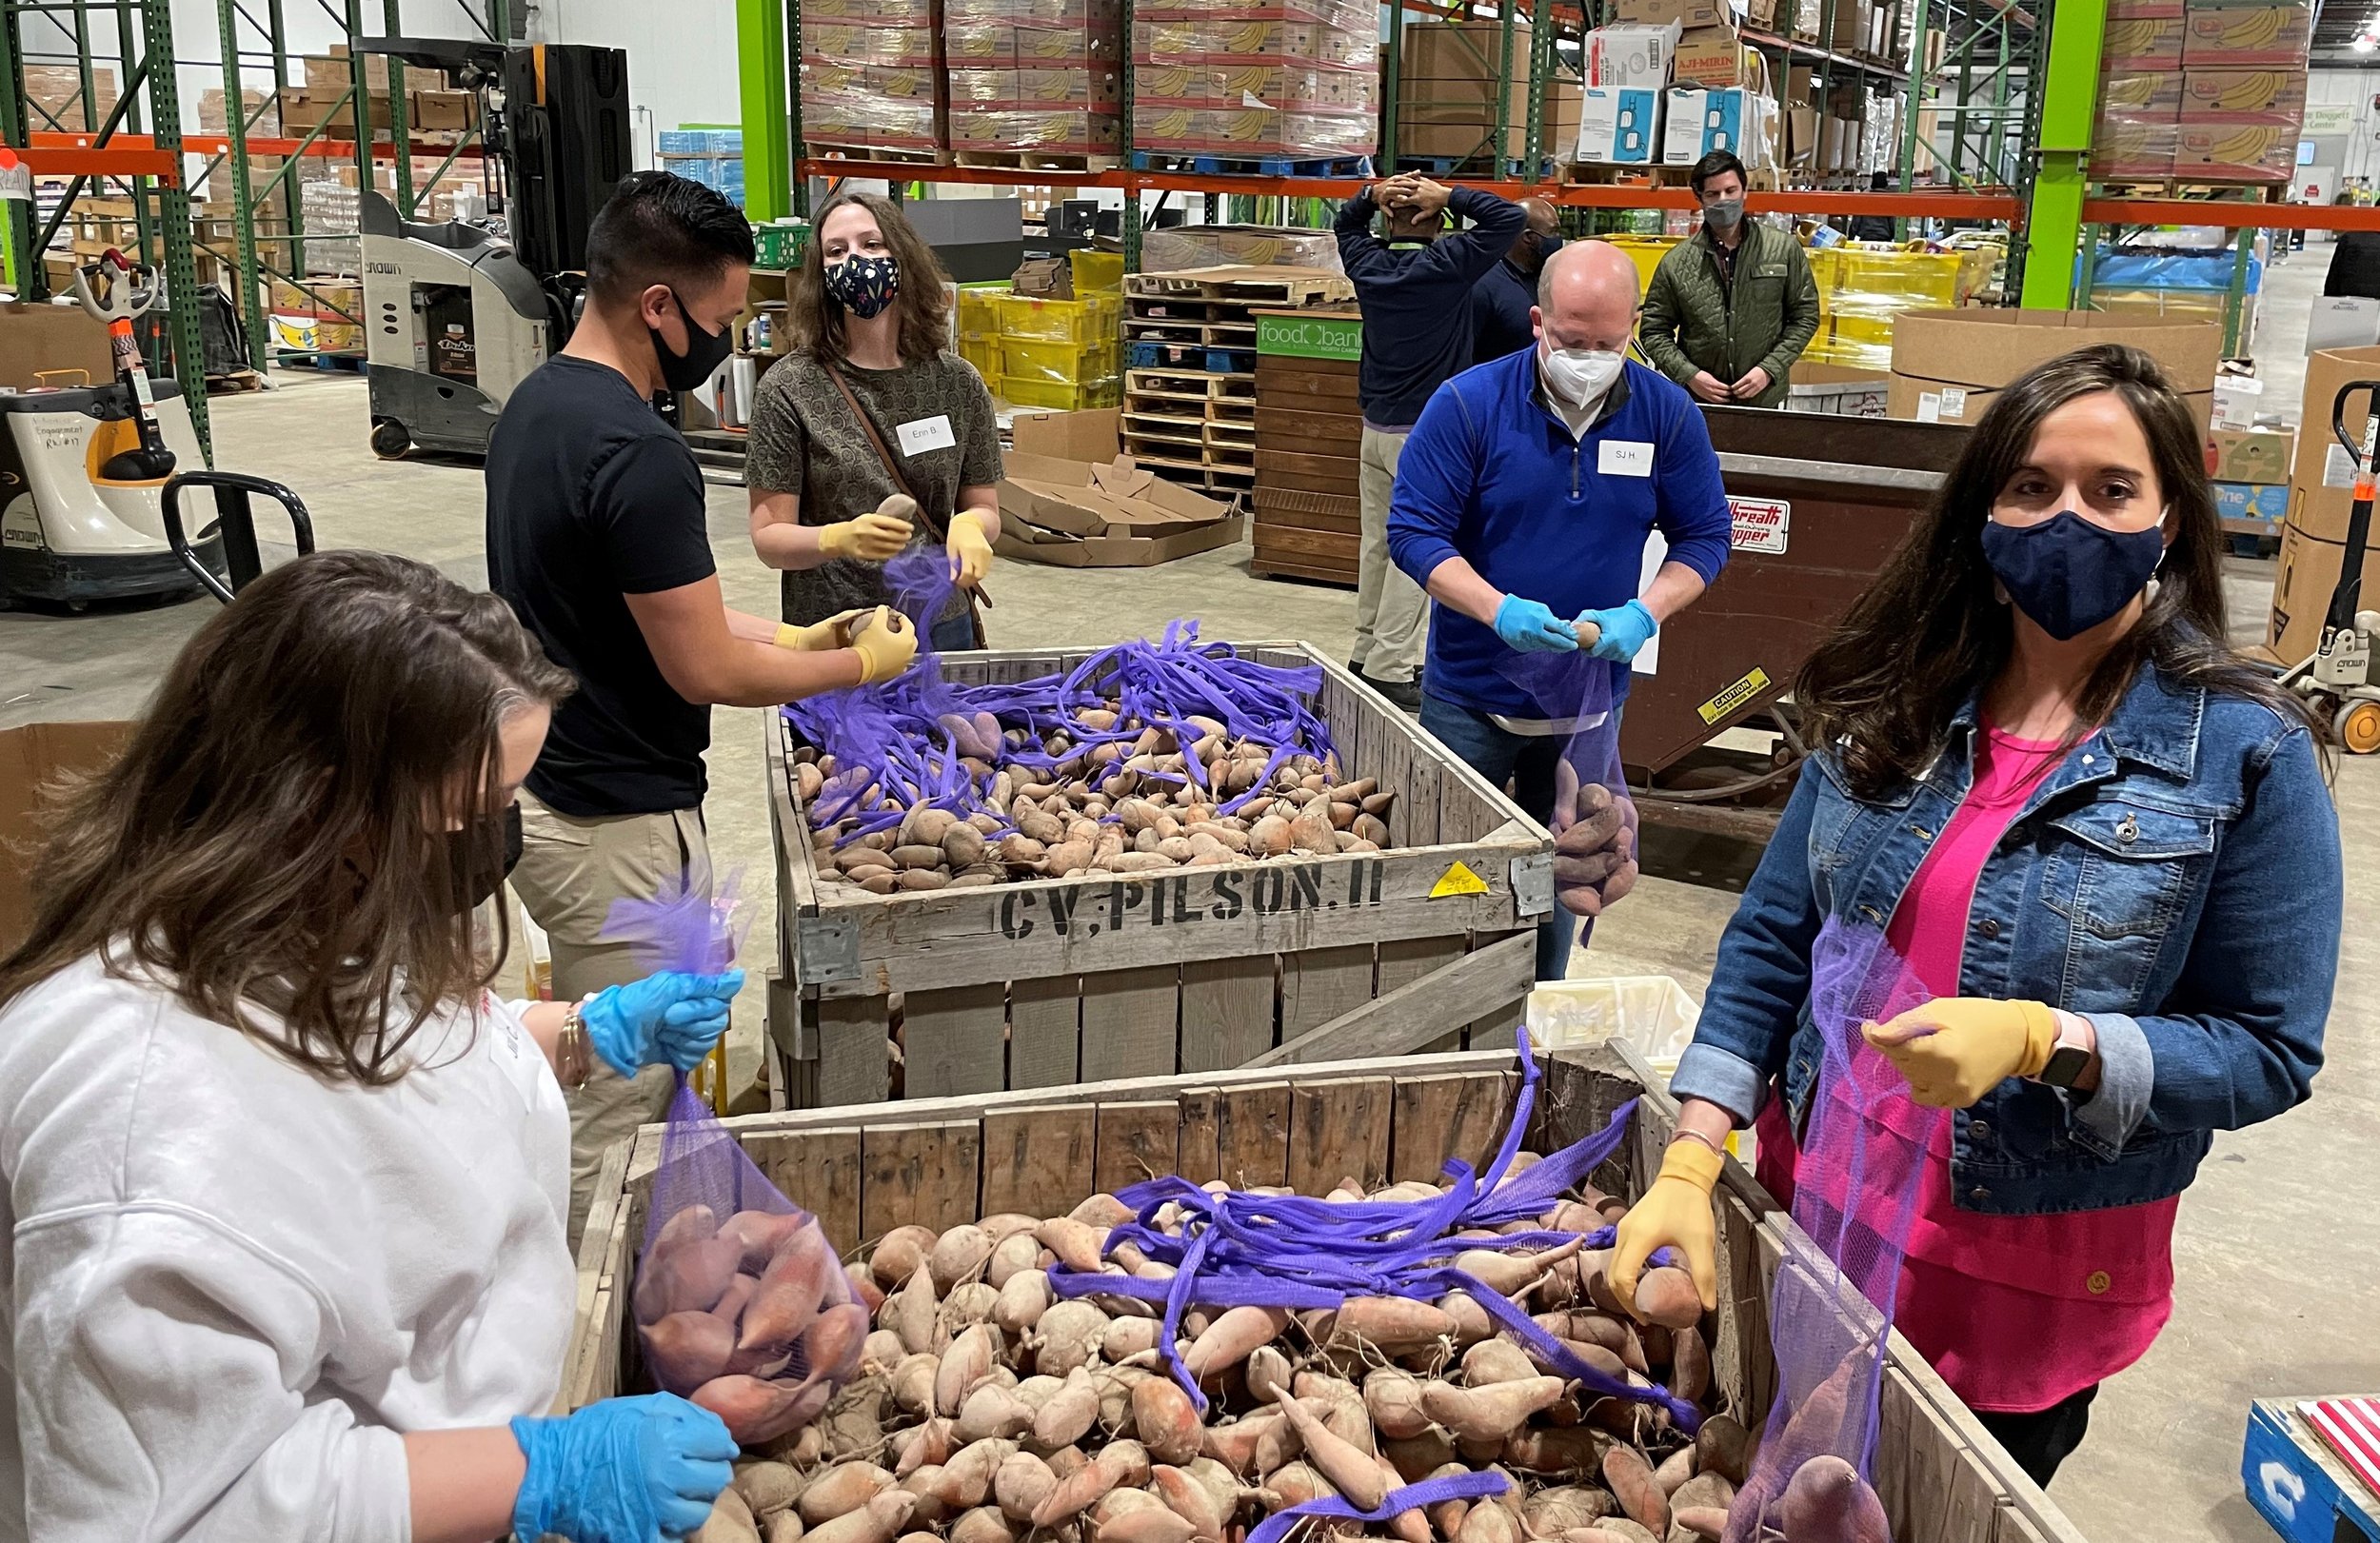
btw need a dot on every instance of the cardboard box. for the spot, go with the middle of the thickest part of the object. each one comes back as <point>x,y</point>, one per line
<point>2244,94</point>
<point>1462,51</point>
<point>2142,43</point>
<point>1069,496</point>
<point>2250,508</point>
<point>2125,93</point>
<point>2251,455</point>
<point>1948,364</point>
<point>1715,56</point>
<point>440,111</point>
<point>2237,399</point>
<point>1696,120</point>
<point>2135,145</point>
<point>36,339</point>
<point>1840,391</point>
<point>2321,474</point>
<point>32,758</point>
<point>1679,13</point>
<point>2343,322</point>
<point>2309,569</point>
<point>2254,150</point>
<point>2246,37</point>
<point>1849,33</point>
<point>304,108</point>
<point>1630,57</point>
<point>1619,127</point>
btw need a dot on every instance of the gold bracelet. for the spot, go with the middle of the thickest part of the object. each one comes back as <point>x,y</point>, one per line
<point>1684,1135</point>
<point>572,1064</point>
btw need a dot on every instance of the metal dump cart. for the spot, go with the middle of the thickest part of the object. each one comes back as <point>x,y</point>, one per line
<point>1820,501</point>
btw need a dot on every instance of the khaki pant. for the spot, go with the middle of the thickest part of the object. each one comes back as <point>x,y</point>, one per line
<point>571,872</point>
<point>1391,610</point>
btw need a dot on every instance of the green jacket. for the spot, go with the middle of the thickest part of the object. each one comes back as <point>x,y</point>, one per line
<point>1688,326</point>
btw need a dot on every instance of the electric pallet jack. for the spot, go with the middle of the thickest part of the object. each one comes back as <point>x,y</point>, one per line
<point>89,472</point>
<point>2338,677</point>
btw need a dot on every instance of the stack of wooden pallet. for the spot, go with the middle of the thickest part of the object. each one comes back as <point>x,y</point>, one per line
<point>1310,429</point>
<point>1190,362</point>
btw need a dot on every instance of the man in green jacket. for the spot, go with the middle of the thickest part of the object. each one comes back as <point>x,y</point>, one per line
<point>1733,306</point>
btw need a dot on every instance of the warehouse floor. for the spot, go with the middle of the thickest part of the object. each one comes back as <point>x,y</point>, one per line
<point>2277,1295</point>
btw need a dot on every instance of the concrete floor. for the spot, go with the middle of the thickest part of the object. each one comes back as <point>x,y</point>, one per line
<point>2277,1293</point>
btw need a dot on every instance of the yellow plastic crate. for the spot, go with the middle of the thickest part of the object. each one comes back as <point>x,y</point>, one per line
<point>1066,398</point>
<point>978,312</point>
<point>1095,270</point>
<point>1097,318</point>
<point>983,353</point>
<point>1063,364</point>
<point>1646,252</point>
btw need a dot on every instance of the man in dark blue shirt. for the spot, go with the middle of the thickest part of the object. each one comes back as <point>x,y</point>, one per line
<point>1529,492</point>
<point>1502,300</point>
<point>1415,291</point>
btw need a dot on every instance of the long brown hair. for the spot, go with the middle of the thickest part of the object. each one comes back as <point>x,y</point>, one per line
<point>1931,632</point>
<point>922,305</point>
<point>273,842</point>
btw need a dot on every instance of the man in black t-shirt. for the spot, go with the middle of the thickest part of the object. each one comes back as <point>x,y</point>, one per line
<point>598,536</point>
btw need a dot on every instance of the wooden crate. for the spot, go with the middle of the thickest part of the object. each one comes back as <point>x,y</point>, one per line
<point>937,1162</point>
<point>1058,981</point>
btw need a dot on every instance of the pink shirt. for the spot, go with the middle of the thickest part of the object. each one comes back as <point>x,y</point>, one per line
<point>2016,1313</point>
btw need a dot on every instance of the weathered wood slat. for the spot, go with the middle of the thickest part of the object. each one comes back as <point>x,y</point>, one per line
<point>1252,1134</point>
<point>1319,985</point>
<point>955,1039</point>
<point>1438,1117</point>
<point>1201,1135</point>
<point>1038,1159</point>
<point>1497,1028</point>
<point>1339,1129</point>
<point>1137,1141</point>
<point>1128,1020</point>
<point>818,1171</point>
<point>1406,960</point>
<point>926,1173</point>
<point>1044,1032</point>
<point>1227,1008</point>
<point>1413,1015</point>
<point>854,1049</point>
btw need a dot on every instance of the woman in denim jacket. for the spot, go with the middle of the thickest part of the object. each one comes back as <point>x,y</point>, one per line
<point>2101,843</point>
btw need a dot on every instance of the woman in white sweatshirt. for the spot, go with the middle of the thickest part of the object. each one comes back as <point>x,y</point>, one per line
<point>284,1252</point>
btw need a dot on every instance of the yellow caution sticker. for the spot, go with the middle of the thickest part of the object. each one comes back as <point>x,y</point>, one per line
<point>1734,696</point>
<point>1459,879</point>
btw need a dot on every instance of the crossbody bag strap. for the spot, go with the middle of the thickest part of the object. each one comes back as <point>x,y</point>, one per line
<point>977,599</point>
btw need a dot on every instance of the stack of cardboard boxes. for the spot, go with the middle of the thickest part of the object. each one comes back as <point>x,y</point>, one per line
<point>2199,91</point>
<point>1446,84</point>
<point>1035,78</point>
<point>55,95</point>
<point>1285,80</point>
<point>1672,81</point>
<point>2313,533</point>
<point>871,76</point>
<point>323,102</point>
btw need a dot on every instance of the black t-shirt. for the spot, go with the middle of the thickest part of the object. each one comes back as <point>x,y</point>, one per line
<point>592,498</point>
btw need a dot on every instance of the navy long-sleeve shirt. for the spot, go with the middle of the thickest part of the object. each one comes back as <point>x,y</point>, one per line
<point>1501,302</point>
<point>1491,475</point>
<point>1416,299</point>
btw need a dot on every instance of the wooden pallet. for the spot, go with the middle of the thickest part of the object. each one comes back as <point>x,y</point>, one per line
<point>864,1170</point>
<point>2298,1484</point>
<point>1241,285</point>
<point>1175,385</point>
<point>861,155</point>
<point>1231,410</point>
<point>1034,161</point>
<point>1594,174</point>
<point>1035,984</point>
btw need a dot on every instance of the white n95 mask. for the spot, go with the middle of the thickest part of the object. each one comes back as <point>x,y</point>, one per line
<point>1582,375</point>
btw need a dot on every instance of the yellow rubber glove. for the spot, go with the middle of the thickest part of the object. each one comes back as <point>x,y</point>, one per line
<point>970,549</point>
<point>875,536</point>
<point>1675,1212</point>
<point>885,641</point>
<point>1953,1050</point>
<point>835,632</point>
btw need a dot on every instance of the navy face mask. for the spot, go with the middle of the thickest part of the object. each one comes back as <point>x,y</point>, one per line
<point>864,285</point>
<point>2068,573</point>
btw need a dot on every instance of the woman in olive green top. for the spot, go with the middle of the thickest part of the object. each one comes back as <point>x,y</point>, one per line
<point>870,319</point>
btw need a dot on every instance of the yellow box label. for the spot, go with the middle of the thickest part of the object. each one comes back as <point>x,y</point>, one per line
<point>1459,879</point>
<point>1734,696</point>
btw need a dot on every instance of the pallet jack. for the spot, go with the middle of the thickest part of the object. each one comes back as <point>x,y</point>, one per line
<point>88,473</point>
<point>2338,677</point>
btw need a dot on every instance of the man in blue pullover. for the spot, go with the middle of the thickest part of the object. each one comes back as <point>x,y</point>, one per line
<point>1524,500</point>
<point>1414,293</point>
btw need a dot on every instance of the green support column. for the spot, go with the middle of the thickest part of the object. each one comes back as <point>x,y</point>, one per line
<point>1392,64</point>
<point>2068,93</point>
<point>760,88</point>
<point>1541,69</point>
<point>249,296</point>
<point>2236,300</point>
<point>2086,281</point>
<point>400,116</point>
<point>1505,87</point>
<point>1125,157</point>
<point>174,219</point>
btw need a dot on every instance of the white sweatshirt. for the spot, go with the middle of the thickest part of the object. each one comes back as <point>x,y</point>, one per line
<point>230,1285</point>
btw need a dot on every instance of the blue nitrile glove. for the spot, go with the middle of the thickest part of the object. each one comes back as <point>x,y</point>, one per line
<point>667,1019</point>
<point>621,1471</point>
<point>1626,628</point>
<point>1527,625</point>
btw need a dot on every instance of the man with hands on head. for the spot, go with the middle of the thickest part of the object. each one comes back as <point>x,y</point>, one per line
<point>1527,493</point>
<point>1732,306</point>
<point>1415,291</point>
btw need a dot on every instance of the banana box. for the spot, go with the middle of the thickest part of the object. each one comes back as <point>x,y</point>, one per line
<point>2223,151</point>
<point>2134,148</point>
<point>2142,43</point>
<point>2277,95</point>
<point>2139,92</point>
<point>2246,37</point>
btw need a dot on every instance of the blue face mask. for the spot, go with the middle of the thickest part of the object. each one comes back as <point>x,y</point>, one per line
<point>2068,573</point>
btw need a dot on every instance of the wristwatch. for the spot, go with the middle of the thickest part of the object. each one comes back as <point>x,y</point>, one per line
<point>2070,1053</point>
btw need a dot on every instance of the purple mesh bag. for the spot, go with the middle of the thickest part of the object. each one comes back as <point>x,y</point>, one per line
<point>1594,820</point>
<point>1831,1310</point>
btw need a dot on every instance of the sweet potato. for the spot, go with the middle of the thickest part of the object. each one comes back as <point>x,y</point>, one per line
<point>1630,1479</point>
<point>1703,1521</point>
<point>1828,1502</point>
<point>914,1314</point>
<point>1230,1338</point>
<point>1021,1301</point>
<point>878,1521</point>
<point>1011,1256</point>
<point>1490,1414</point>
<point>841,1490</point>
<point>1393,1398</point>
<point>686,1349</point>
<point>1078,1244</point>
<point>730,1521</point>
<point>1164,1421</point>
<point>1496,1360</point>
<point>898,1254</point>
<point>1667,1296</point>
<point>689,1278</point>
<point>1349,1468</point>
<point>1068,1415</point>
<point>759,1234</point>
<point>1066,1337</point>
<point>769,1486</point>
<point>958,1254</point>
<point>984,1524</point>
<point>1389,1324</point>
<point>792,1290</point>
<point>967,1361</point>
<point>1121,1464</point>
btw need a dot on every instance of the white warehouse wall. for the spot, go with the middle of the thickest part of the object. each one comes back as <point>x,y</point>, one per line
<point>682,56</point>
<point>2359,156</point>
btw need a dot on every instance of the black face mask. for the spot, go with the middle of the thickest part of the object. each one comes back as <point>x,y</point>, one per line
<point>481,855</point>
<point>705,352</point>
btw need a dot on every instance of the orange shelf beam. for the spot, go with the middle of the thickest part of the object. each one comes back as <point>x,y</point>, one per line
<point>2229,215</point>
<point>342,149</point>
<point>115,159</point>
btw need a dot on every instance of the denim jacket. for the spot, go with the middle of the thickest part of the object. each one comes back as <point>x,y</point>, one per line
<point>2175,879</point>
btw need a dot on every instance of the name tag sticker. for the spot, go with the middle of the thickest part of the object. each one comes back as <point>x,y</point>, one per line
<point>1624,458</point>
<point>926,434</point>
